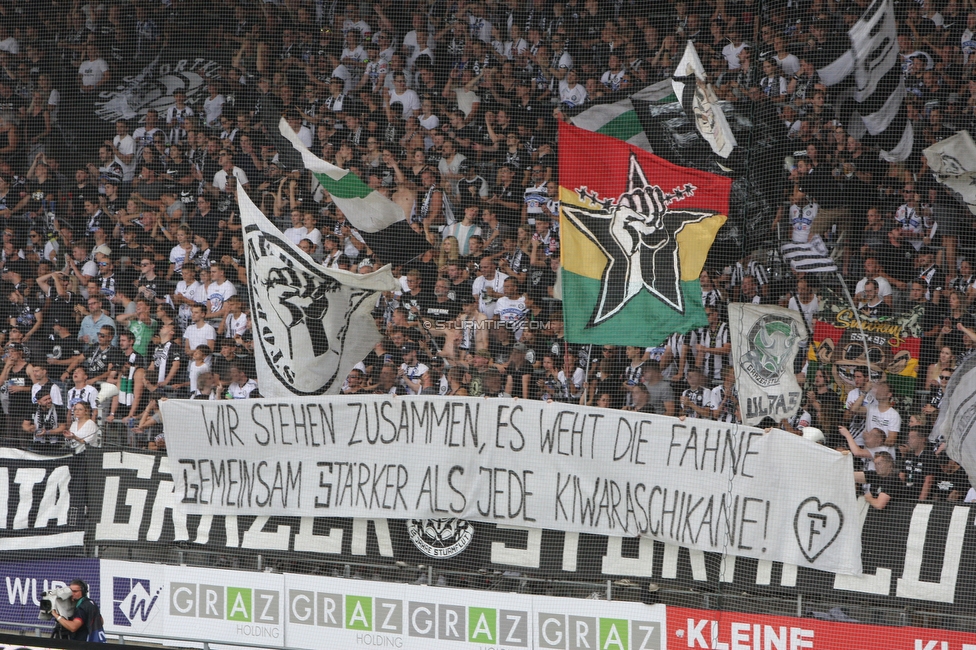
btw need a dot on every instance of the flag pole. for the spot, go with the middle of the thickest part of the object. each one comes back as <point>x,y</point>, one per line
<point>586,375</point>
<point>860,326</point>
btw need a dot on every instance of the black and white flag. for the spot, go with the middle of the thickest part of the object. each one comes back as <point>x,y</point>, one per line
<point>697,97</point>
<point>872,106</point>
<point>311,324</point>
<point>953,162</point>
<point>809,257</point>
<point>765,341</point>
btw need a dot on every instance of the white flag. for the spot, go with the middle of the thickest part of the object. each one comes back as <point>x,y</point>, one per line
<point>311,324</point>
<point>765,341</point>
<point>953,161</point>
<point>701,104</point>
<point>957,417</point>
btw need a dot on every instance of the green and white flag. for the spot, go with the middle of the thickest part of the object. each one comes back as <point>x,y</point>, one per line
<point>379,220</point>
<point>619,120</point>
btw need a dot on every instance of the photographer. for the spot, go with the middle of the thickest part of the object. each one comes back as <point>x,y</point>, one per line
<point>86,622</point>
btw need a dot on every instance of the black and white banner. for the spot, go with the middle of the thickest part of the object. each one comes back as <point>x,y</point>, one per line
<point>704,484</point>
<point>765,341</point>
<point>873,103</point>
<point>311,324</point>
<point>42,501</point>
<point>912,554</point>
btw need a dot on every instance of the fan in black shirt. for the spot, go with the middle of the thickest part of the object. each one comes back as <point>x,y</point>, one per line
<point>102,358</point>
<point>951,482</point>
<point>438,306</point>
<point>61,347</point>
<point>885,485</point>
<point>920,467</point>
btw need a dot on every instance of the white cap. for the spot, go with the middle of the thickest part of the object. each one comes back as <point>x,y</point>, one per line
<point>813,434</point>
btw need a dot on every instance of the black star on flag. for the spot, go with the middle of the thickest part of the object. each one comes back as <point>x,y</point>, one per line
<point>637,234</point>
<point>634,239</point>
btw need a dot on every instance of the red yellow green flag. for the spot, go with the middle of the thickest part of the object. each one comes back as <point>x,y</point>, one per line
<point>635,231</point>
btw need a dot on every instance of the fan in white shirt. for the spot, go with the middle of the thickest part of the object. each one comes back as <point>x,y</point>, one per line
<point>218,293</point>
<point>733,49</point>
<point>413,375</point>
<point>511,308</point>
<point>298,231</point>
<point>571,92</point>
<point>407,98</point>
<point>788,63</point>
<point>213,105</point>
<point>418,39</point>
<point>235,323</point>
<point>488,287</point>
<point>200,332</point>
<point>240,387</point>
<point>188,292</point>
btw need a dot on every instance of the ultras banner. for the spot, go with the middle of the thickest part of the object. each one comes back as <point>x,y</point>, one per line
<point>912,552</point>
<point>700,484</point>
<point>42,502</point>
<point>765,341</point>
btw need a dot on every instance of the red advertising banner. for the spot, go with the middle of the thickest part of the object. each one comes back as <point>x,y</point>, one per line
<point>715,630</point>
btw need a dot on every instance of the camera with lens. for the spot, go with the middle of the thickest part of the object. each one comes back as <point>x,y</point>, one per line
<point>56,600</point>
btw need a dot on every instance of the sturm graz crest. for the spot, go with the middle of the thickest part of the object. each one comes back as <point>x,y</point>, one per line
<point>772,341</point>
<point>153,87</point>
<point>637,233</point>
<point>440,538</point>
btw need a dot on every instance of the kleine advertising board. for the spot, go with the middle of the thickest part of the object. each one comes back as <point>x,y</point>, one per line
<point>717,630</point>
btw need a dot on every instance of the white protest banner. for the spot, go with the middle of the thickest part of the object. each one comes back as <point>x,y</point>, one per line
<point>765,341</point>
<point>696,483</point>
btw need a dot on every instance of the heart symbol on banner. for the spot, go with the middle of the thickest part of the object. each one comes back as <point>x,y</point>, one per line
<point>816,526</point>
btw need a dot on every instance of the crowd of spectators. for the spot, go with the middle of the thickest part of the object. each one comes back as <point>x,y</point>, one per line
<point>123,260</point>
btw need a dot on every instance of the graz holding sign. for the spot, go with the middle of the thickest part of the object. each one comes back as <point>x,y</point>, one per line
<point>698,484</point>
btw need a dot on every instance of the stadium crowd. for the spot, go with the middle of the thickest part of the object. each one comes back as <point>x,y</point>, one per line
<point>122,253</point>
